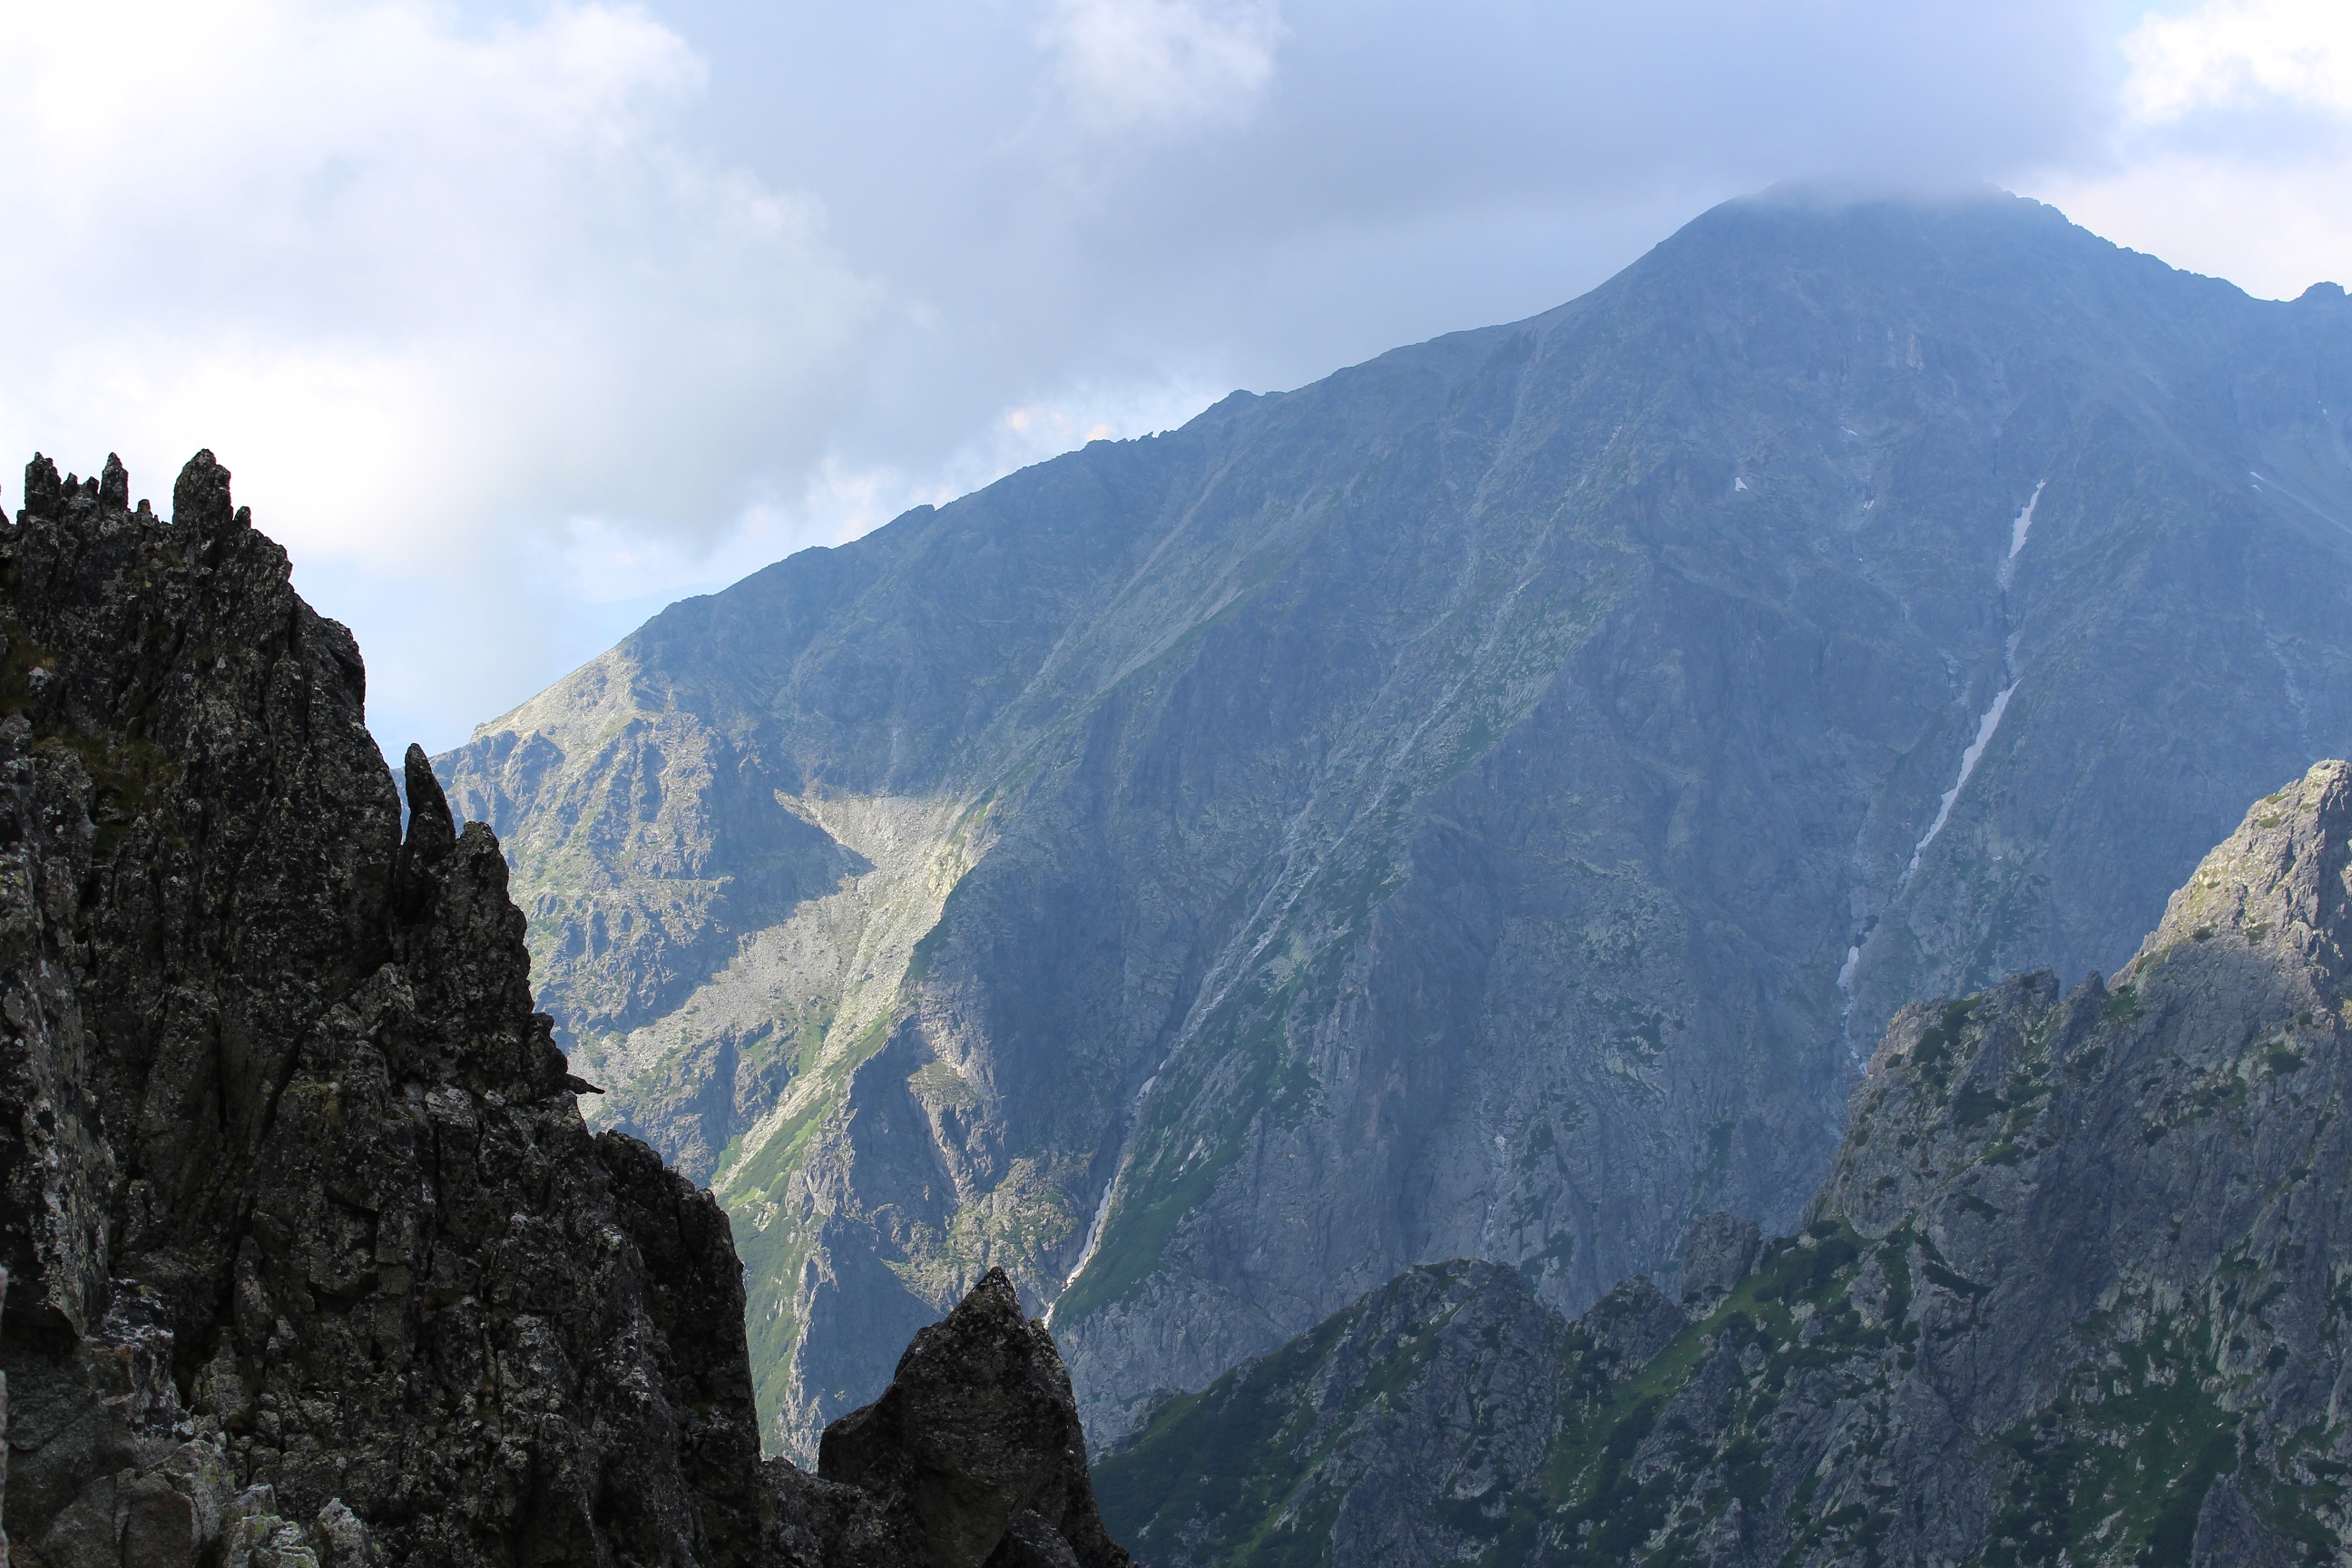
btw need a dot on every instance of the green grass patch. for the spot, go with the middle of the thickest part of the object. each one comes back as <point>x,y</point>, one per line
<point>2130,1469</point>
<point>1231,1460</point>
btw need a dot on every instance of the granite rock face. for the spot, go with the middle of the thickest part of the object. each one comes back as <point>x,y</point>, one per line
<point>1716,1254</point>
<point>1381,1435</point>
<point>310,1257</point>
<point>2074,1292</point>
<point>977,1444</point>
<point>1482,804</point>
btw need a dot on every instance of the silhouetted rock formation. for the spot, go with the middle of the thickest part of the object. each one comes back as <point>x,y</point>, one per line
<point>312,1257</point>
<point>976,1445</point>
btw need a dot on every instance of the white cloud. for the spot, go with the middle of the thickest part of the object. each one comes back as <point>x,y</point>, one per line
<point>432,291</point>
<point>2231,152</point>
<point>602,563</point>
<point>1163,65</point>
<point>2238,54</point>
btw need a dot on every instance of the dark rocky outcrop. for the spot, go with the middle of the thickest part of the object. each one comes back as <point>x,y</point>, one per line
<point>2074,1292</point>
<point>1485,803</point>
<point>976,1445</point>
<point>311,1256</point>
<point>1416,1427</point>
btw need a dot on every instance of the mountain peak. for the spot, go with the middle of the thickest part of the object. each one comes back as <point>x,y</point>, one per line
<point>1491,797</point>
<point>2280,882</point>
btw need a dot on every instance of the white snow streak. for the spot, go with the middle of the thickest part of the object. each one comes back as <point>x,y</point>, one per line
<point>2024,524</point>
<point>1985,728</point>
<point>1102,1209</point>
<point>1987,725</point>
<point>2019,530</point>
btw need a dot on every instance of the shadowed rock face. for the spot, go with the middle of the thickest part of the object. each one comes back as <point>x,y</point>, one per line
<point>1486,804</point>
<point>2074,1292</point>
<point>977,1443</point>
<point>310,1257</point>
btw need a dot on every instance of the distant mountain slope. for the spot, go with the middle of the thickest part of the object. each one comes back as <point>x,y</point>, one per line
<point>1477,804</point>
<point>2074,1292</point>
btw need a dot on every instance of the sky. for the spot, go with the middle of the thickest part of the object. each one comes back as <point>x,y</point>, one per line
<point>517,320</point>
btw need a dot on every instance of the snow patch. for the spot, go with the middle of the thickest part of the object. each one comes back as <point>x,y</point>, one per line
<point>1102,1209</point>
<point>2017,531</point>
<point>1969,760</point>
<point>2024,523</point>
<point>1738,483</point>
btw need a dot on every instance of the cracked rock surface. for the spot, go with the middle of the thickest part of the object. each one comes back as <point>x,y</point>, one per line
<point>310,1257</point>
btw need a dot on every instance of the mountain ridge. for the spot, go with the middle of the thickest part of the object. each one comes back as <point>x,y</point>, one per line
<point>1228,835</point>
<point>2071,1292</point>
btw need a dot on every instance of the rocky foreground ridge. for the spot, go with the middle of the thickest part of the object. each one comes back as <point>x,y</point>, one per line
<point>2077,1291</point>
<point>310,1257</point>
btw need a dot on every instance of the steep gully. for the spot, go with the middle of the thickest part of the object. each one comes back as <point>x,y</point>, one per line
<point>1987,725</point>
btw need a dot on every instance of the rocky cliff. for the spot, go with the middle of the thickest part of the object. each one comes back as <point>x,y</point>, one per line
<point>310,1257</point>
<point>2074,1292</point>
<point>1483,804</point>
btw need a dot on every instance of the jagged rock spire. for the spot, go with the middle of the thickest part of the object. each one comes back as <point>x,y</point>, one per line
<point>2284,877</point>
<point>43,489</point>
<point>431,830</point>
<point>114,486</point>
<point>975,1450</point>
<point>200,498</point>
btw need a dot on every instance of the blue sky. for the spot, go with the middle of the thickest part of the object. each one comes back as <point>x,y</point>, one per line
<point>516,321</point>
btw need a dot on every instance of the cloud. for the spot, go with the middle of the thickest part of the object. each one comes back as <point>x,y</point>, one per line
<point>433,290</point>
<point>2231,152</point>
<point>1162,65</point>
<point>370,251</point>
<point>2239,54</point>
<point>517,317</point>
<point>624,567</point>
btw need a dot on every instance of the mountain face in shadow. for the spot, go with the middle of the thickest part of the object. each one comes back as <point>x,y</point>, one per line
<point>1481,804</point>
<point>2072,1292</point>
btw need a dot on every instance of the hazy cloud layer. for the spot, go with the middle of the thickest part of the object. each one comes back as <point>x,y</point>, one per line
<point>515,320</point>
<point>1162,65</point>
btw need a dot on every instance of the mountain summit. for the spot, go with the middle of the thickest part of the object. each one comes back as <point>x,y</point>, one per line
<point>1480,804</point>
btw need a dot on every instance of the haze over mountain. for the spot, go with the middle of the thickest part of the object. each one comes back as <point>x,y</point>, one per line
<point>1479,804</point>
